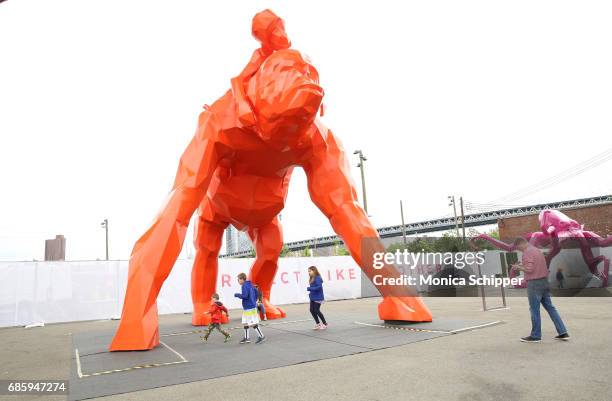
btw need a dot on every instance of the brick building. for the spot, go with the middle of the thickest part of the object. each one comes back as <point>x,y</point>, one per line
<point>594,218</point>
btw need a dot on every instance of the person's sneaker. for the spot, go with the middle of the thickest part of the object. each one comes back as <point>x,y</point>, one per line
<point>530,339</point>
<point>563,337</point>
<point>260,340</point>
<point>245,341</point>
<point>317,326</point>
<point>322,326</point>
<point>227,338</point>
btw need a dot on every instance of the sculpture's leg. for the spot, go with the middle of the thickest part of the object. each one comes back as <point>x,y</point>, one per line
<point>268,242</point>
<point>399,302</point>
<point>152,259</point>
<point>208,238</point>
<point>331,189</point>
<point>593,261</point>
<point>554,250</point>
<point>156,251</point>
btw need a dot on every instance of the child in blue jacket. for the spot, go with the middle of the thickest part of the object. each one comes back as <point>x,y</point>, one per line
<point>316,297</point>
<point>250,317</point>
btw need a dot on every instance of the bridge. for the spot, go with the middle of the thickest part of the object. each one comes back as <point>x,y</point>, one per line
<point>445,223</point>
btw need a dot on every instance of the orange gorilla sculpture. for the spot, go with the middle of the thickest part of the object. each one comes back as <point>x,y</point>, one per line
<point>236,170</point>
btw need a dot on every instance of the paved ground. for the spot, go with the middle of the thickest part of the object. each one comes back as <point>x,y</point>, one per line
<point>183,358</point>
<point>488,364</point>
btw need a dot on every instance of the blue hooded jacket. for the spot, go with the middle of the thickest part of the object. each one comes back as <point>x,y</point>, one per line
<point>316,289</point>
<point>248,295</point>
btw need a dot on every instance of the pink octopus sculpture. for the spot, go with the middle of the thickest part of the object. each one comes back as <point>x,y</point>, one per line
<point>557,229</point>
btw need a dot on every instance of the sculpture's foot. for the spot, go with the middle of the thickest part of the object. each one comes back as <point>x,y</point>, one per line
<point>273,312</point>
<point>409,309</point>
<point>201,318</point>
<point>136,336</point>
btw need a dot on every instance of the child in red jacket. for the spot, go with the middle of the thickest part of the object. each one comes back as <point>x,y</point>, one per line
<point>216,312</point>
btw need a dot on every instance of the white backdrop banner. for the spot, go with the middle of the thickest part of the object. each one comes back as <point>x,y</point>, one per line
<point>51,292</point>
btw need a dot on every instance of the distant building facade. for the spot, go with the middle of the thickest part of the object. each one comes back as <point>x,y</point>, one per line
<point>236,241</point>
<point>55,249</point>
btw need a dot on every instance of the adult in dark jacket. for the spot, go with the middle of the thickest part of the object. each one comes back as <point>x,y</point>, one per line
<point>316,296</point>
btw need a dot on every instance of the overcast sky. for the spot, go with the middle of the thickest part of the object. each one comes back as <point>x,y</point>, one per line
<point>476,98</point>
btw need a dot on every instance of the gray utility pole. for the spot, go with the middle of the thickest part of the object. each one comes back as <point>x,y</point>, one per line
<point>462,217</point>
<point>362,159</point>
<point>403,224</point>
<point>451,200</point>
<point>105,227</point>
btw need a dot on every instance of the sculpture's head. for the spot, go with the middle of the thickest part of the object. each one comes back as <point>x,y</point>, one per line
<point>285,95</point>
<point>269,29</point>
<point>553,218</point>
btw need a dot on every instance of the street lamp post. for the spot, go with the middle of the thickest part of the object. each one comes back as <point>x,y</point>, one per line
<point>105,227</point>
<point>462,219</point>
<point>362,159</point>
<point>451,202</point>
<point>403,223</point>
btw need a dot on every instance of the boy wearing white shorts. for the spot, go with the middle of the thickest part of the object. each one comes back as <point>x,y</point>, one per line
<point>250,317</point>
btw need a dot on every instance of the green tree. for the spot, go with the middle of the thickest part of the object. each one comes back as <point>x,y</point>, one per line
<point>342,251</point>
<point>421,244</point>
<point>415,245</point>
<point>396,246</point>
<point>449,242</point>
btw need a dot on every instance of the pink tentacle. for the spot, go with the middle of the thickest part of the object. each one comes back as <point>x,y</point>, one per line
<point>496,243</point>
<point>597,240</point>
<point>592,261</point>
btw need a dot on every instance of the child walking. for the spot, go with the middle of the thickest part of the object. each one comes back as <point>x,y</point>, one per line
<point>250,317</point>
<point>216,313</point>
<point>316,297</point>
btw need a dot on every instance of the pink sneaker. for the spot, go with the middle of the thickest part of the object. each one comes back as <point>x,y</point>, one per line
<point>322,326</point>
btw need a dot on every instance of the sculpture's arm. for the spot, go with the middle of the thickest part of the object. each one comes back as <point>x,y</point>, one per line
<point>496,243</point>
<point>257,58</point>
<point>332,190</point>
<point>536,239</point>
<point>598,240</point>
